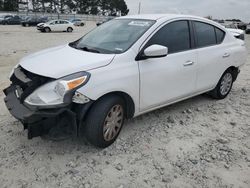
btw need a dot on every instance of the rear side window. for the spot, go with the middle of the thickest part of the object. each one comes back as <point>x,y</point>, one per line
<point>175,36</point>
<point>63,22</point>
<point>220,35</point>
<point>205,34</point>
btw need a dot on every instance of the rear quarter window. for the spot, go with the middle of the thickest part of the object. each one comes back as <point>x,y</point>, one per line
<point>220,35</point>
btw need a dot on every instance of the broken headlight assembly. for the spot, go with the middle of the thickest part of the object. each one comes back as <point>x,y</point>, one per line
<point>58,92</point>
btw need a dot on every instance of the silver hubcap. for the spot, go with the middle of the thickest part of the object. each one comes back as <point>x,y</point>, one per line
<point>226,84</point>
<point>113,122</point>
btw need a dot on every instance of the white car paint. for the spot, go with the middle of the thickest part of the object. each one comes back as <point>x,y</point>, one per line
<point>60,59</point>
<point>56,25</point>
<point>236,32</point>
<point>151,83</point>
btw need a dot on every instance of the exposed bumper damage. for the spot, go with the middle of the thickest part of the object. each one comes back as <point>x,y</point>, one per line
<point>39,121</point>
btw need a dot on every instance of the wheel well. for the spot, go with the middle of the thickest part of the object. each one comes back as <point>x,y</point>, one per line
<point>130,106</point>
<point>235,71</point>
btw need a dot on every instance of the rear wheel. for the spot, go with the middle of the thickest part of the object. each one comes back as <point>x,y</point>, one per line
<point>69,29</point>
<point>224,86</point>
<point>82,24</point>
<point>27,25</point>
<point>47,29</point>
<point>105,120</point>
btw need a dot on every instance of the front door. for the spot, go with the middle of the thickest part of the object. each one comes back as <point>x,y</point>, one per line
<point>167,79</point>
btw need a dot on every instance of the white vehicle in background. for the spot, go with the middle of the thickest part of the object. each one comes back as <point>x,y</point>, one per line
<point>124,68</point>
<point>237,33</point>
<point>56,25</point>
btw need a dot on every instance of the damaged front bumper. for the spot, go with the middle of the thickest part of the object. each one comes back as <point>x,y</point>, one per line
<point>38,121</point>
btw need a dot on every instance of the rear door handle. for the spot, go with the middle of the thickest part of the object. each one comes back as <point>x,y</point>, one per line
<point>226,55</point>
<point>188,63</point>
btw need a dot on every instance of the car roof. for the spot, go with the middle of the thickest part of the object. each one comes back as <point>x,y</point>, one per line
<point>158,16</point>
<point>166,17</point>
<point>58,20</point>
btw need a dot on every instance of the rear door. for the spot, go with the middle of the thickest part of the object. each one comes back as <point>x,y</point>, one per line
<point>65,25</point>
<point>213,55</point>
<point>57,26</point>
<point>167,79</point>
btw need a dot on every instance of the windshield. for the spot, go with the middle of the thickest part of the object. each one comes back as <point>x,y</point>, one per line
<point>115,36</point>
<point>52,21</point>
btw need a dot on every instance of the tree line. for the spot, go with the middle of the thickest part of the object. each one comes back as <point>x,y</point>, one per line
<point>95,7</point>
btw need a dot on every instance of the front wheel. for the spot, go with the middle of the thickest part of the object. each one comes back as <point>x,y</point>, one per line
<point>224,86</point>
<point>47,29</point>
<point>104,121</point>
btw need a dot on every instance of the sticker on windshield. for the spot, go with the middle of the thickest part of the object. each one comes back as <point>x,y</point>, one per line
<point>139,23</point>
<point>119,49</point>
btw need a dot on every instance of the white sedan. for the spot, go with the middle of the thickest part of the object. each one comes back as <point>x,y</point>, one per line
<point>56,25</point>
<point>124,68</point>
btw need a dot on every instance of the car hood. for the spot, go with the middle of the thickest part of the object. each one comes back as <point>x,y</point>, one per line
<point>40,24</point>
<point>63,60</point>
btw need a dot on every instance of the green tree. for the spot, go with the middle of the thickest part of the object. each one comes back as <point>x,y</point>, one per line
<point>10,5</point>
<point>1,5</point>
<point>104,7</point>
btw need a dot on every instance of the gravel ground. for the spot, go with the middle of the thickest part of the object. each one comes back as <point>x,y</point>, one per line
<point>199,142</point>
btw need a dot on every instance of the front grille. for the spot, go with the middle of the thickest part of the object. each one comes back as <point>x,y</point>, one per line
<point>27,81</point>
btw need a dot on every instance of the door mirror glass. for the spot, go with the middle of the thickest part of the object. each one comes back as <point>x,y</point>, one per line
<point>155,51</point>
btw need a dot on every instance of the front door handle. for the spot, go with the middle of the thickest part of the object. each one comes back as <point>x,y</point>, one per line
<point>188,63</point>
<point>226,55</point>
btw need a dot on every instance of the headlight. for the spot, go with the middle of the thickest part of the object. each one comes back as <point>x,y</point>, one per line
<point>12,71</point>
<point>57,92</point>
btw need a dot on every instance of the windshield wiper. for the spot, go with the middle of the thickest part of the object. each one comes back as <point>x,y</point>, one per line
<point>89,49</point>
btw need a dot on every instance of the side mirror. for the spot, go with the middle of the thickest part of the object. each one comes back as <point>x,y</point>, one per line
<point>155,51</point>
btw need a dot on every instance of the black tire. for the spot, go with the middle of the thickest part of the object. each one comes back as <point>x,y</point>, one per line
<point>97,119</point>
<point>82,24</point>
<point>27,25</point>
<point>217,92</point>
<point>47,29</point>
<point>69,29</point>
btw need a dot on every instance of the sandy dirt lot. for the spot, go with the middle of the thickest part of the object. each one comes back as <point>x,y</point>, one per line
<point>199,142</point>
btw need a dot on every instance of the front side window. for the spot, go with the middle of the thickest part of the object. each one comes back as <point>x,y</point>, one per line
<point>175,36</point>
<point>205,34</point>
<point>115,36</point>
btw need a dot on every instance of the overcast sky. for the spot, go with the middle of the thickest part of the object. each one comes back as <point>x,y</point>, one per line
<point>216,8</point>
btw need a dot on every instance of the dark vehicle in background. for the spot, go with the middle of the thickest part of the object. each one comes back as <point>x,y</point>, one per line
<point>33,21</point>
<point>248,29</point>
<point>104,21</point>
<point>4,16</point>
<point>11,20</point>
<point>77,22</point>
